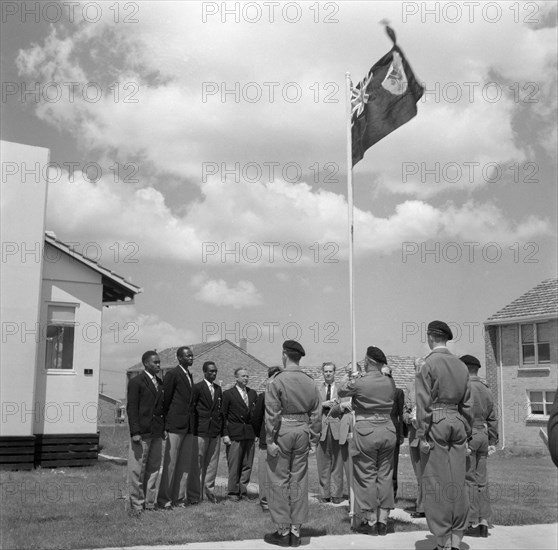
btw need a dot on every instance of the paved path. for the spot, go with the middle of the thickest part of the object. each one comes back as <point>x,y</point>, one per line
<point>540,537</point>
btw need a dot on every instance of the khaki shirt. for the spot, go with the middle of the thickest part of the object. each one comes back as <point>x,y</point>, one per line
<point>292,392</point>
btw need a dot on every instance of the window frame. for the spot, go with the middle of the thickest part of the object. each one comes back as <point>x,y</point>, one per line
<point>535,344</point>
<point>62,370</point>
<point>545,404</point>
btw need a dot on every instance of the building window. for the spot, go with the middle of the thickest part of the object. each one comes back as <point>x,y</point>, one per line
<point>60,330</point>
<point>540,402</point>
<point>535,343</point>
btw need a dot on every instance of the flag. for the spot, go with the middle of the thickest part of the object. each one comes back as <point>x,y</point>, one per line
<point>385,99</point>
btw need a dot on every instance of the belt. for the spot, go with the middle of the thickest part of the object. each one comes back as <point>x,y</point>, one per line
<point>372,416</point>
<point>445,406</point>
<point>295,417</point>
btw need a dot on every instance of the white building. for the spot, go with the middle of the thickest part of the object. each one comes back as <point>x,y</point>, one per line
<point>51,315</point>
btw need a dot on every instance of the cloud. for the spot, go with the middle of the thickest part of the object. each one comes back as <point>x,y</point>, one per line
<point>219,293</point>
<point>127,334</point>
<point>252,225</point>
<point>166,60</point>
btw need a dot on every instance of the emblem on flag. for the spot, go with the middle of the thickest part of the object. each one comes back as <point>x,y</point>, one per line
<point>384,100</point>
<point>395,81</point>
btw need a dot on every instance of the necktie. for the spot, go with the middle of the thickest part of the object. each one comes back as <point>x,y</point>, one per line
<point>245,397</point>
<point>212,390</point>
<point>328,395</point>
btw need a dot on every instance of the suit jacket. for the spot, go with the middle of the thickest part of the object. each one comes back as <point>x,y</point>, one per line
<point>177,391</point>
<point>258,415</point>
<point>338,422</point>
<point>206,413</point>
<point>237,416</point>
<point>144,407</point>
<point>397,414</point>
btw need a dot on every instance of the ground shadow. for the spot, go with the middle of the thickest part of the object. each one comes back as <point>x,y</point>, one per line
<point>429,543</point>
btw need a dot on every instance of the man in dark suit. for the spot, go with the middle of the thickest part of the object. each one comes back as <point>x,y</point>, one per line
<point>239,435</point>
<point>180,481</point>
<point>400,427</point>
<point>207,418</point>
<point>145,418</point>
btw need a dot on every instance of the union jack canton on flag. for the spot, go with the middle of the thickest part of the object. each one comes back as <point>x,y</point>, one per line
<point>383,100</point>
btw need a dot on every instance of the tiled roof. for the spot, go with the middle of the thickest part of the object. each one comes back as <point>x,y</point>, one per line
<point>403,372</point>
<point>168,355</point>
<point>541,300</point>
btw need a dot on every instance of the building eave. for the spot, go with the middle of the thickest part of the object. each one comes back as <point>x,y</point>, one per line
<point>521,319</point>
<point>116,290</point>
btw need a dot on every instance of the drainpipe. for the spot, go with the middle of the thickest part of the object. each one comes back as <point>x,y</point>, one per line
<point>501,385</point>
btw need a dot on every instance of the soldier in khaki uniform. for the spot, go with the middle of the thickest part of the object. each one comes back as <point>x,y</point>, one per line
<point>443,394</point>
<point>482,443</point>
<point>373,440</point>
<point>292,422</point>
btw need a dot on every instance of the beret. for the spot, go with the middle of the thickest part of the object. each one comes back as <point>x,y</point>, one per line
<point>471,360</point>
<point>440,328</point>
<point>293,345</point>
<point>376,354</point>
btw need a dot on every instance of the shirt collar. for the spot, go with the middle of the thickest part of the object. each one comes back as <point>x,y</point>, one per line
<point>187,372</point>
<point>209,384</point>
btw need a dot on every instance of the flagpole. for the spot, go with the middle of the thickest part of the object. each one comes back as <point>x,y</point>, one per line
<point>351,219</point>
<point>350,480</point>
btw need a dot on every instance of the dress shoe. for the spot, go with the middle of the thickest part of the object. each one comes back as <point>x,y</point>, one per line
<point>278,539</point>
<point>295,541</point>
<point>472,531</point>
<point>483,531</point>
<point>417,514</point>
<point>324,500</point>
<point>235,498</point>
<point>381,529</point>
<point>193,502</point>
<point>337,500</point>
<point>365,529</point>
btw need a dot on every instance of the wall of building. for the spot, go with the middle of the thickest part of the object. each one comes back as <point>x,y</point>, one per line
<point>67,400</point>
<point>22,225</point>
<point>521,431</point>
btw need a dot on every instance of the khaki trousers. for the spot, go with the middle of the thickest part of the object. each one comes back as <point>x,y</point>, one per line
<point>443,479</point>
<point>477,479</point>
<point>372,454</point>
<point>144,463</point>
<point>332,459</point>
<point>180,480</point>
<point>208,460</point>
<point>288,476</point>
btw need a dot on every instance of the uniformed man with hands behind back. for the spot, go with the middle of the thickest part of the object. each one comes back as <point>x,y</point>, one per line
<point>293,423</point>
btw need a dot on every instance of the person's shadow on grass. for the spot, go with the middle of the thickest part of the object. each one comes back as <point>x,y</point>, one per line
<point>430,544</point>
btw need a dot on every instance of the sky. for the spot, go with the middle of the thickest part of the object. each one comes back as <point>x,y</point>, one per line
<point>199,150</point>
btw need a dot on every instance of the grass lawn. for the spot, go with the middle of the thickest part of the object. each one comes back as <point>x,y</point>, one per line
<point>86,507</point>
